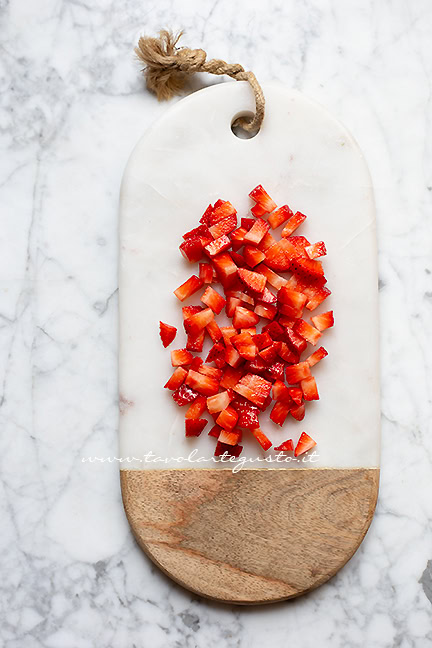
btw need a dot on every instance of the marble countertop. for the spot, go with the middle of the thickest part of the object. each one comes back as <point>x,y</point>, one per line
<point>72,107</point>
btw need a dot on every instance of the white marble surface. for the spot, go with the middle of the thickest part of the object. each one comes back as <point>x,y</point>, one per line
<point>71,109</point>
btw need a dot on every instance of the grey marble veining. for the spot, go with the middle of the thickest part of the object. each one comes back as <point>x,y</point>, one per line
<point>72,107</point>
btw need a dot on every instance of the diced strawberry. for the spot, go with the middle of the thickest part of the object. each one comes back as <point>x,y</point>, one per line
<point>247,223</point>
<point>213,372</point>
<point>180,357</point>
<point>196,323</point>
<point>316,250</point>
<point>230,438</point>
<point>295,301</point>
<point>294,222</point>
<point>204,385</point>
<point>253,256</point>
<point>222,448</point>
<point>247,299</point>
<point>273,279</point>
<point>237,238</point>
<point>262,340</point>
<point>196,363</point>
<point>280,216</point>
<point>194,427</point>
<point>184,395</point>
<point>287,354</point>
<point>304,444</point>
<point>226,269</point>
<point>215,431</point>
<point>188,288</point>
<point>257,366</point>
<point>192,249</point>
<point>316,356</point>
<point>248,413</point>
<point>309,388</point>
<point>245,345</point>
<point>227,418</point>
<point>206,273</point>
<point>316,296</point>
<point>267,297</point>
<point>323,321</point>
<point>243,318</point>
<point>275,331</point>
<point>300,243</point>
<point>296,373</point>
<point>188,311</point>
<point>221,209</point>
<point>280,255</point>
<point>308,332</point>
<point>254,388</point>
<point>218,245</point>
<point>205,218</point>
<point>286,446</point>
<point>298,412</point>
<point>296,395</point>
<point>266,242</point>
<point>257,232</point>
<point>253,280</point>
<point>279,413</point>
<point>227,333</point>
<point>258,210</point>
<point>275,371</point>
<point>280,392</point>
<point>218,402</point>
<point>214,331</point>
<point>268,311</point>
<point>251,330</point>
<point>167,333</point>
<point>308,270</point>
<point>200,231</point>
<point>259,435</point>
<point>231,305</point>
<point>213,300</point>
<point>197,408</point>
<point>230,377</point>
<point>232,356</point>
<point>295,342</point>
<point>225,226</point>
<point>284,320</point>
<point>260,195</point>
<point>269,354</point>
<point>217,355</point>
<point>177,379</point>
<point>195,342</point>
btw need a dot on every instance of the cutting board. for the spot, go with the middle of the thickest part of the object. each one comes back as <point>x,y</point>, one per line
<point>267,532</point>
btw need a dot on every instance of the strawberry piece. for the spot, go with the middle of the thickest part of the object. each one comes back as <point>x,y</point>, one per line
<point>269,354</point>
<point>247,223</point>
<point>262,340</point>
<point>248,414</point>
<point>287,354</point>
<point>184,395</point>
<point>167,333</point>
<point>217,355</point>
<point>279,413</point>
<point>231,305</point>
<point>286,321</point>
<point>218,245</point>
<point>226,269</point>
<point>237,238</point>
<point>294,222</point>
<point>188,288</point>
<point>195,342</point>
<point>258,210</point>
<point>275,331</point>
<point>253,280</point>
<point>257,366</point>
<point>206,273</point>
<point>196,364</point>
<point>279,216</point>
<point>196,323</point>
<point>205,218</point>
<point>194,427</point>
<point>238,259</point>
<point>280,255</point>
<point>227,418</point>
<point>222,209</point>
<point>177,379</point>
<point>201,232</point>
<point>309,388</point>
<point>300,243</point>
<point>311,271</point>
<point>180,357</point>
<point>298,412</point>
<point>188,311</point>
<point>214,331</point>
<point>197,408</point>
<point>192,249</point>
<point>316,250</point>
<point>243,318</point>
<point>213,300</point>
<point>259,195</point>
<point>316,356</point>
<point>308,332</point>
<point>304,444</point>
<point>296,373</point>
<point>267,241</point>
<point>315,296</point>
<point>257,232</point>
<point>259,435</point>
<point>218,402</point>
<point>230,438</point>
<point>295,342</point>
<point>296,394</point>
<point>273,279</point>
<point>225,226</point>
<point>222,448</point>
<point>245,345</point>
<point>247,299</point>
<point>251,330</point>
<point>232,356</point>
<point>323,321</point>
<point>280,392</point>
<point>275,371</point>
<point>267,297</point>
<point>269,312</point>
<point>230,377</point>
<point>285,446</point>
<point>295,301</point>
<point>227,333</point>
<point>210,371</point>
<point>253,256</point>
<point>254,388</point>
<point>204,385</point>
<point>215,431</point>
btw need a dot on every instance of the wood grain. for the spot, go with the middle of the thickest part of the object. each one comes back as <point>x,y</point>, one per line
<point>252,537</point>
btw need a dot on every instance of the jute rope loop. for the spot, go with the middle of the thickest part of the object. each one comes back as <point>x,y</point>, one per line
<point>167,68</point>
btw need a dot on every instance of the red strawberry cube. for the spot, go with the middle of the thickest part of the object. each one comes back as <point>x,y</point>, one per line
<point>286,446</point>
<point>279,413</point>
<point>194,427</point>
<point>260,195</point>
<point>309,388</point>
<point>304,444</point>
<point>257,232</point>
<point>177,379</point>
<point>213,300</point>
<point>292,299</point>
<point>294,222</point>
<point>230,377</point>
<point>222,448</point>
<point>298,412</point>
<point>227,419</point>
<point>230,438</point>
<point>279,216</point>
<point>167,333</point>
<point>316,356</point>
<point>280,392</point>
<point>323,321</point>
<point>218,402</point>
<point>192,249</point>
<point>221,209</point>
<point>217,355</point>
<point>259,435</point>
<point>204,385</point>
<point>296,373</point>
<point>226,269</point>
<point>244,318</point>
<point>184,395</point>
<point>188,288</point>
<point>255,388</point>
<point>273,279</point>
<point>195,342</point>
<point>180,357</point>
<point>224,226</point>
<point>196,323</point>
<point>206,273</point>
<point>308,332</point>
<point>197,409</point>
<point>253,256</point>
<point>253,280</point>
<point>316,250</point>
<point>218,245</point>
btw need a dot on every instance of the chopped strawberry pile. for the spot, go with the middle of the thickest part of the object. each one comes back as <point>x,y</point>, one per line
<point>263,280</point>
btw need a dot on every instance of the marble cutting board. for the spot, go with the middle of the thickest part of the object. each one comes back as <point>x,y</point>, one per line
<point>262,534</point>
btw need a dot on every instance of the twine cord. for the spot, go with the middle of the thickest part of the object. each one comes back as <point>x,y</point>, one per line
<point>168,67</point>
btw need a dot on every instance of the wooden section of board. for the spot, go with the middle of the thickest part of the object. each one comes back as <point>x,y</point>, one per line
<point>252,537</point>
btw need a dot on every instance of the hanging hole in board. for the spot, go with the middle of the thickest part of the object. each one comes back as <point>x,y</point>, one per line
<point>237,128</point>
